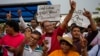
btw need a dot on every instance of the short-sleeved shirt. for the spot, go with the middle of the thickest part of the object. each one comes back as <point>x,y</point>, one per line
<point>11,41</point>
<point>60,53</point>
<point>29,52</point>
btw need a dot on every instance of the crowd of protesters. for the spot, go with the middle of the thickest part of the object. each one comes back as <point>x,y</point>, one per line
<point>47,39</point>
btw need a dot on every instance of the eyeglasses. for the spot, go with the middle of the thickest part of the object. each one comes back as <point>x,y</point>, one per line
<point>32,38</point>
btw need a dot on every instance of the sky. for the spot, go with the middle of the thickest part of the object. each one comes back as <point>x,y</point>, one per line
<point>88,4</point>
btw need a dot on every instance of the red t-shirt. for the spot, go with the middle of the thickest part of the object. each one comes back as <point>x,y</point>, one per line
<point>55,45</point>
<point>12,41</point>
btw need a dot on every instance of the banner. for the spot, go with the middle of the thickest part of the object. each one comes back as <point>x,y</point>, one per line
<point>48,12</point>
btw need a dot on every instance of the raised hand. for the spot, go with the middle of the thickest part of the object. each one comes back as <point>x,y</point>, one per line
<point>83,42</point>
<point>45,48</point>
<point>8,16</point>
<point>27,36</point>
<point>19,12</point>
<point>72,5</point>
<point>87,14</point>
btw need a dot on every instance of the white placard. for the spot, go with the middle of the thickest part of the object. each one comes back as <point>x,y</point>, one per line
<point>48,12</point>
<point>79,19</point>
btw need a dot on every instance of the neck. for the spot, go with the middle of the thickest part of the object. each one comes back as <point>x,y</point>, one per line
<point>33,46</point>
<point>75,39</point>
<point>33,27</point>
<point>14,33</point>
<point>48,34</point>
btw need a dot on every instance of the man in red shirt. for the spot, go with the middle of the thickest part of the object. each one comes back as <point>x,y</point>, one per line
<point>51,34</point>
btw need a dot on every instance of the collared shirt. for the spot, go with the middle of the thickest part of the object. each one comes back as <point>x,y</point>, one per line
<point>29,52</point>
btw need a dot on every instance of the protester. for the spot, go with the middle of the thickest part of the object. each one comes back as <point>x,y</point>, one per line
<point>34,23</point>
<point>95,51</point>
<point>67,48</point>
<point>91,34</point>
<point>12,39</point>
<point>51,33</point>
<point>31,48</point>
<point>76,32</point>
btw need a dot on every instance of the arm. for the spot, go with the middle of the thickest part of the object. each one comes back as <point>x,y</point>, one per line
<point>64,24</point>
<point>84,52</point>
<point>45,48</point>
<point>8,16</point>
<point>21,19</point>
<point>20,49</point>
<point>83,46</point>
<point>91,36</point>
<point>69,16</point>
<point>11,49</point>
<point>89,16</point>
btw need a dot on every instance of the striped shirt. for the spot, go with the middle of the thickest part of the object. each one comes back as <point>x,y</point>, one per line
<point>29,52</point>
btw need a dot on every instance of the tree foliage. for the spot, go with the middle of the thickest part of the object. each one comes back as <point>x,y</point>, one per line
<point>97,19</point>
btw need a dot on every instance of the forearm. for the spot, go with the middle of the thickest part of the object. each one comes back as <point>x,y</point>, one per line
<point>84,52</point>
<point>44,54</point>
<point>22,22</point>
<point>67,19</point>
<point>11,49</point>
<point>93,25</point>
<point>20,49</point>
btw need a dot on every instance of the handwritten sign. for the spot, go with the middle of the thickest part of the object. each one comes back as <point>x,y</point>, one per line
<point>48,12</point>
<point>79,19</point>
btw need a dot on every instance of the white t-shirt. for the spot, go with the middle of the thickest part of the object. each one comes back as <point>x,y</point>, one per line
<point>49,42</point>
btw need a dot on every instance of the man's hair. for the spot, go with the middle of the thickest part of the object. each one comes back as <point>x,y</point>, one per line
<point>34,19</point>
<point>13,24</point>
<point>75,27</point>
<point>73,24</point>
<point>89,26</point>
<point>37,33</point>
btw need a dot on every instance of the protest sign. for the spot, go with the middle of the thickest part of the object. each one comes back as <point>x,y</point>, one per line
<point>48,12</point>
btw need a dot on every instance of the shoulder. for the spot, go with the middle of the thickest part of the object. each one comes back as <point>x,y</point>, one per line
<point>5,37</point>
<point>21,35</point>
